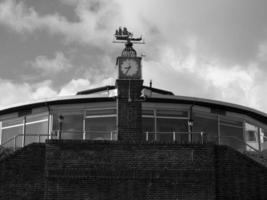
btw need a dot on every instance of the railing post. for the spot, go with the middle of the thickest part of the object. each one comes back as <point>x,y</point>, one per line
<point>15,138</point>
<point>39,140</point>
<point>111,138</point>
<point>155,136</point>
<point>173,136</point>
<point>201,134</point>
<point>147,136</point>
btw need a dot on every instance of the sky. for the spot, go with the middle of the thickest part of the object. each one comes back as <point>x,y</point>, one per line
<point>215,49</point>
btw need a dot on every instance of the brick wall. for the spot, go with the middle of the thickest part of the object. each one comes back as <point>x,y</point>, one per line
<point>238,176</point>
<point>22,174</point>
<point>95,170</point>
<point>116,170</point>
<point>129,112</point>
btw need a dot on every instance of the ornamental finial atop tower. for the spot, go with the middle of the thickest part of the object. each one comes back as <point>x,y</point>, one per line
<point>122,35</point>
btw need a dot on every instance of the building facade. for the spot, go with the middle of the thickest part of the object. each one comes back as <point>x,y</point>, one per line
<point>165,117</point>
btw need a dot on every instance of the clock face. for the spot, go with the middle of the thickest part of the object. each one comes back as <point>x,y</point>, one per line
<point>129,67</point>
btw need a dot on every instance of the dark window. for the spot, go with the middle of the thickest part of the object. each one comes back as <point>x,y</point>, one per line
<point>101,128</point>
<point>206,123</point>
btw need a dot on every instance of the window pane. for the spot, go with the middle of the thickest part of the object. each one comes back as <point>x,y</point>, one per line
<point>72,126</point>
<point>101,112</point>
<point>12,122</point>
<point>37,117</point>
<point>207,124</point>
<point>232,136</point>
<point>251,136</point>
<point>36,125</point>
<point>102,128</point>
<point>166,127</point>
<point>40,128</point>
<point>11,128</point>
<point>10,133</point>
<point>149,126</point>
<point>171,113</point>
<point>148,112</point>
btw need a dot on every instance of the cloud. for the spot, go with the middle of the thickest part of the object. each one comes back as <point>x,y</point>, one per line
<point>93,24</point>
<point>206,48</point>
<point>198,76</point>
<point>23,92</point>
<point>76,85</point>
<point>51,66</point>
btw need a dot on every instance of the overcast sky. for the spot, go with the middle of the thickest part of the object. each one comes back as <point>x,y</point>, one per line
<point>214,49</point>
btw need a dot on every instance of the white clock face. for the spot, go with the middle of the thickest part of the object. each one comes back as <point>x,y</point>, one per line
<point>129,67</point>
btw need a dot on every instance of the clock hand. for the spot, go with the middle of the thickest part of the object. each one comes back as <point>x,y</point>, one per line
<point>128,68</point>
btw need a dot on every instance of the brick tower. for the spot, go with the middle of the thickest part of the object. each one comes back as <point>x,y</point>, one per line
<point>129,85</point>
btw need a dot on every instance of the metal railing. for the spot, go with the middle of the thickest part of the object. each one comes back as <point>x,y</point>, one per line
<point>182,137</point>
<point>88,135</point>
<point>14,140</point>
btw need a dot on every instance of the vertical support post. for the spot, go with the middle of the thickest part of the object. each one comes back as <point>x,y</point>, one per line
<point>190,124</point>
<point>24,131</point>
<point>15,138</point>
<point>39,138</point>
<point>147,136</point>
<point>219,130</point>
<point>259,138</point>
<point>0,132</point>
<point>61,118</point>
<point>244,135</point>
<point>50,125</point>
<point>173,136</point>
<point>84,121</point>
<point>111,135</point>
<point>155,123</point>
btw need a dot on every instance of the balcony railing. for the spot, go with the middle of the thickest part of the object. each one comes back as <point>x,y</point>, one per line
<point>88,135</point>
<point>179,137</point>
<point>14,144</point>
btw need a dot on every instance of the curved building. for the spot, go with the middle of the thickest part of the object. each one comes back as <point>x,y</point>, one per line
<point>92,115</point>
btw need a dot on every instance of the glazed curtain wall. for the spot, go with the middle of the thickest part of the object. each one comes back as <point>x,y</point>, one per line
<point>160,124</point>
<point>95,124</point>
<point>170,125</point>
<point>24,130</point>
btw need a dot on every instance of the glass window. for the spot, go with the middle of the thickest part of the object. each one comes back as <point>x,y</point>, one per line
<point>171,113</point>
<point>251,136</point>
<point>36,125</point>
<point>101,128</point>
<point>148,113</point>
<point>72,125</point>
<point>231,133</point>
<point>166,127</point>
<point>101,112</point>
<point>148,125</point>
<point>208,124</point>
<point>263,138</point>
<point>10,129</point>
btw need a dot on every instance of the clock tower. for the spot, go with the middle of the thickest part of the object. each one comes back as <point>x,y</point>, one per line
<point>129,85</point>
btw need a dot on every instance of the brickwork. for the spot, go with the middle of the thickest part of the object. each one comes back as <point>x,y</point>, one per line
<point>22,174</point>
<point>129,110</point>
<point>238,176</point>
<point>118,170</point>
<point>94,170</point>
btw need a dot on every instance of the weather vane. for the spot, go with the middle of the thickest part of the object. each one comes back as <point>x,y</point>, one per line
<point>122,35</point>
